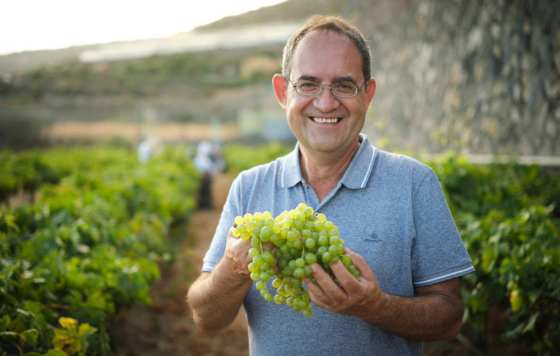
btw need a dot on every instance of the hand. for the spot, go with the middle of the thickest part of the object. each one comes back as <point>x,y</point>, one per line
<point>348,295</point>
<point>237,252</point>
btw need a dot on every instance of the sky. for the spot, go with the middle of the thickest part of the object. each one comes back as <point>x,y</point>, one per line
<point>38,24</point>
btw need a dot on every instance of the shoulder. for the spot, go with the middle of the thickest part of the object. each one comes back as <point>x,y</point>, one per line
<point>267,172</point>
<point>400,166</point>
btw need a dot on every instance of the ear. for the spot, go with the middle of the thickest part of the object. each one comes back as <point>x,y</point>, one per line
<point>280,89</point>
<point>370,90</point>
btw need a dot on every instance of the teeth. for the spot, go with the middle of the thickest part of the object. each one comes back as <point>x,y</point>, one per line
<point>325,120</point>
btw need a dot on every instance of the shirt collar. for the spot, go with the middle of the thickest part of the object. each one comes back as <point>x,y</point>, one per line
<point>356,176</point>
<point>359,171</point>
<point>292,171</point>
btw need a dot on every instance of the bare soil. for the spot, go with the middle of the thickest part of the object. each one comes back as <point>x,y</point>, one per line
<point>106,130</point>
<point>166,327</point>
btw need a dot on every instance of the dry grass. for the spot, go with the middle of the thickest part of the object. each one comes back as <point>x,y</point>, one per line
<point>105,130</point>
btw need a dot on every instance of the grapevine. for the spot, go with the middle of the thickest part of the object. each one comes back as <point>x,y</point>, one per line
<point>284,248</point>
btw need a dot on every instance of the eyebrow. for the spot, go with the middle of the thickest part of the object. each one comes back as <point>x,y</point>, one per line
<point>345,78</point>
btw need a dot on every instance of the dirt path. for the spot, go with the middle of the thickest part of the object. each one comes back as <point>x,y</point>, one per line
<point>166,327</point>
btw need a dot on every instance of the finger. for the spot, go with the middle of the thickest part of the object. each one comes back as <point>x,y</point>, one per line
<point>237,246</point>
<point>314,290</point>
<point>316,295</point>
<point>361,265</point>
<point>345,279</point>
<point>328,286</point>
<point>230,234</point>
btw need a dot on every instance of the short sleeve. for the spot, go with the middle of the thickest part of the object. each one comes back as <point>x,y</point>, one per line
<point>229,212</point>
<point>438,253</point>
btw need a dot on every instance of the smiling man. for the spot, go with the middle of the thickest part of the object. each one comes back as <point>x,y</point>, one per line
<point>389,208</point>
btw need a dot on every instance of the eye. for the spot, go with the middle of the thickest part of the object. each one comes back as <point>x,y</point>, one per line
<point>345,88</point>
<point>307,87</point>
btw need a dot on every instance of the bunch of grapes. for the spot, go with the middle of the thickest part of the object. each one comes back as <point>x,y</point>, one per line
<point>284,248</point>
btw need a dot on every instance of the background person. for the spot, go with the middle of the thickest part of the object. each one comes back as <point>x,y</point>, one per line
<point>146,149</point>
<point>209,161</point>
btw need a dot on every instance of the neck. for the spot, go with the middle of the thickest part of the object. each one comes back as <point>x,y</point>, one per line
<point>324,170</point>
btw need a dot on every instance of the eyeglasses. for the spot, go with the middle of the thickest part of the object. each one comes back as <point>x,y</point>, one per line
<point>341,90</point>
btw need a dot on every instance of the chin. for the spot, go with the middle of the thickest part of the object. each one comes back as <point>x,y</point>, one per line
<point>324,146</point>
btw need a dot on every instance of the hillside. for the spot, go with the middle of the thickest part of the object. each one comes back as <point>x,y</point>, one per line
<point>289,11</point>
<point>24,61</point>
<point>369,14</point>
<point>43,87</point>
<point>443,83</point>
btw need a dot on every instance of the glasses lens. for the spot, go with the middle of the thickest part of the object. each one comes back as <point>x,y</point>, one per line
<point>344,90</point>
<point>340,90</point>
<point>308,88</point>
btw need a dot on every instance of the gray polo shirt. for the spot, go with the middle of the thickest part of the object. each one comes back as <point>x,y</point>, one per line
<point>389,208</point>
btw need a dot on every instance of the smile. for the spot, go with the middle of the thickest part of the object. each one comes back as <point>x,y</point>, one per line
<point>325,120</point>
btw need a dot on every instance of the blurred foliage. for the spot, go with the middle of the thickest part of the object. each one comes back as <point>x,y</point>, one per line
<point>71,338</point>
<point>509,218</point>
<point>139,77</point>
<point>241,157</point>
<point>26,171</point>
<point>18,131</point>
<point>88,245</point>
<point>508,187</point>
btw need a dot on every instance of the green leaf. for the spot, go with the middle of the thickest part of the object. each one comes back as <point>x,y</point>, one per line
<point>531,324</point>
<point>86,330</point>
<point>29,337</point>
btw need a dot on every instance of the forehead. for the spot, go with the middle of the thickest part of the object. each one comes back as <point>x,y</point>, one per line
<point>326,55</point>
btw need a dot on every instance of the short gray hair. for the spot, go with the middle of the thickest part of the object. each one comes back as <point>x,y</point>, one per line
<point>327,23</point>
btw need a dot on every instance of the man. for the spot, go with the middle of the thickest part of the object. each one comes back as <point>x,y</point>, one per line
<point>390,210</point>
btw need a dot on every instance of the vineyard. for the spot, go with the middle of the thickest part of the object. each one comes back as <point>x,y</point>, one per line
<point>83,232</point>
<point>86,243</point>
<point>509,218</point>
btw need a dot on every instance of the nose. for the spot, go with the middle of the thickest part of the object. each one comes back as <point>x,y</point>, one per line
<point>326,101</point>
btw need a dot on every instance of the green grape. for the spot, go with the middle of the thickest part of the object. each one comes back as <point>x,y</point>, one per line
<point>310,243</point>
<point>326,257</point>
<point>265,276</point>
<point>265,233</point>
<point>276,239</point>
<point>336,250</point>
<point>284,248</point>
<point>292,235</point>
<point>276,283</point>
<point>279,299</point>
<point>346,260</point>
<point>299,273</point>
<point>354,271</point>
<point>323,240</point>
<point>310,258</point>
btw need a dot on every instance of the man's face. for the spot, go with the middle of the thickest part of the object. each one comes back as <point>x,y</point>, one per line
<point>327,124</point>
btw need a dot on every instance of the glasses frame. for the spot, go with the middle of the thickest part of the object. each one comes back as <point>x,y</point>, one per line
<point>322,89</point>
